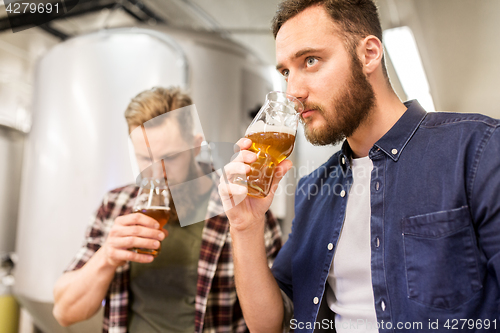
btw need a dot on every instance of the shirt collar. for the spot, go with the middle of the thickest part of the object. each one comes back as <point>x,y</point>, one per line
<point>396,139</point>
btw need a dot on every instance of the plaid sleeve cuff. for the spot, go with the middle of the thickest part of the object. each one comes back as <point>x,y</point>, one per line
<point>272,238</point>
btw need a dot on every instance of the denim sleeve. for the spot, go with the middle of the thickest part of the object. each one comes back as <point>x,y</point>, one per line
<point>485,198</point>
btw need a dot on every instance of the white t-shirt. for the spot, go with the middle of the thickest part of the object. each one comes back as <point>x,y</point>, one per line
<point>350,292</point>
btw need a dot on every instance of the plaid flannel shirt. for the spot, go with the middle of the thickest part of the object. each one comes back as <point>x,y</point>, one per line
<point>217,307</point>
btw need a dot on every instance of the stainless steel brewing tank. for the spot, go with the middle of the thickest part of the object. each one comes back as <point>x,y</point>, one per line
<point>11,149</point>
<point>78,149</point>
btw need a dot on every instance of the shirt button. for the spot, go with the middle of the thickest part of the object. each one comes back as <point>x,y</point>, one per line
<point>382,305</point>
<point>330,246</point>
<point>315,300</point>
<point>377,186</point>
<point>377,242</point>
<point>342,194</point>
<point>394,151</point>
<point>343,160</point>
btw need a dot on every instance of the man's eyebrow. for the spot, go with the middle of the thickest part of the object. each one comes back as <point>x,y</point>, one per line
<point>175,153</point>
<point>298,54</point>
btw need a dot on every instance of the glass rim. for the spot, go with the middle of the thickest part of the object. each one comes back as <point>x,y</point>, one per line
<point>299,107</point>
<point>156,181</point>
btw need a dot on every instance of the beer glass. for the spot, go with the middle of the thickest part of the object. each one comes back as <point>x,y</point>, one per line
<point>153,200</point>
<point>272,132</point>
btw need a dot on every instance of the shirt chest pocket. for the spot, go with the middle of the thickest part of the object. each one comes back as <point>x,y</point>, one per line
<point>441,258</point>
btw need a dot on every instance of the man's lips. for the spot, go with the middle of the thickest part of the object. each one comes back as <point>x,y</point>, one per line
<point>307,113</point>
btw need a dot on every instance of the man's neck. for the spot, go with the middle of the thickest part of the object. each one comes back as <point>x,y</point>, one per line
<point>386,112</point>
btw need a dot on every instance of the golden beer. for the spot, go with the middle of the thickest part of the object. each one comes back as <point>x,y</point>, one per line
<point>272,132</point>
<point>271,148</point>
<point>162,216</point>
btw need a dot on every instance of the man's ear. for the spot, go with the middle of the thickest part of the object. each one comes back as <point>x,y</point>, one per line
<point>370,51</point>
<point>197,140</point>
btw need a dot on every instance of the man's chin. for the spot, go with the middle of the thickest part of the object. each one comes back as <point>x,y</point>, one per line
<point>322,136</point>
<point>313,130</point>
<point>189,203</point>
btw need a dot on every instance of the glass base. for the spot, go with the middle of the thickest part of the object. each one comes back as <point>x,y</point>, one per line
<point>154,253</point>
<point>256,192</point>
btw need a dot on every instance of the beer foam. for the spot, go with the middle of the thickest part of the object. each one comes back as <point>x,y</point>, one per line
<point>260,126</point>
<point>158,207</point>
<point>152,207</point>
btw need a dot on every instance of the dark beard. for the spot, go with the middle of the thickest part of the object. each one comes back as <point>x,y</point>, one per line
<point>187,196</point>
<point>352,107</point>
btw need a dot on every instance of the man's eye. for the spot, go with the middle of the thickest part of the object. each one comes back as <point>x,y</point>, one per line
<point>311,61</point>
<point>173,156</point>
<point>285,73</point>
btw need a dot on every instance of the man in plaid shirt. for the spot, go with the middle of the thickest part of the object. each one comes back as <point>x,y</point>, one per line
<point>104,268</point>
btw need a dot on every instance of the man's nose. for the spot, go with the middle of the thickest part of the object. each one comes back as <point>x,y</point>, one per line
<point>296,86</point>
<point>158,170</point>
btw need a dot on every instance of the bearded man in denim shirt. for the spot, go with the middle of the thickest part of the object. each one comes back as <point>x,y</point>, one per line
<point>400,229</point>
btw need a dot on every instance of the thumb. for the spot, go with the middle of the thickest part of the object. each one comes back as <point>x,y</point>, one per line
<point>279,173</point>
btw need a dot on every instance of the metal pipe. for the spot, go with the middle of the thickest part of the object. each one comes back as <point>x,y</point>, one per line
<point>143,8</point>
<point>59,34</point>
<point>81,8</point>
<point>10,126</point>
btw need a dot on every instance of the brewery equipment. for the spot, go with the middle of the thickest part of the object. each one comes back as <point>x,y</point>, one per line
<point>11,151</point>
<point>78,146</point>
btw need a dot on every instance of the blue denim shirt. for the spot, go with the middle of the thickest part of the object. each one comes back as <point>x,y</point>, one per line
<point>435,226</point>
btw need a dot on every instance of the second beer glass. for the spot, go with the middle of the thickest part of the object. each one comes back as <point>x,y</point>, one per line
<point>272,132</point>
<point>153,200</point>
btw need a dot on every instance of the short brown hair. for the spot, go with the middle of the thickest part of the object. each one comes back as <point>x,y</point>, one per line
<point>356,18</point>
<point>157,101</point>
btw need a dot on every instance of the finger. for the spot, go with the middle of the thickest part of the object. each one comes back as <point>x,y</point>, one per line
<point>235,170</point>
<point>165,233</point>
<point>232,194</point>
<point>237,175</point>
<point>228,190</point>
<point>137,219</point>
<point>244,156</point>
<point>283,168</point>
<point>136,231</point>
<point>132,241</point>
<point>225,193</point>
<point>127,255</point>
<point>243,143</point>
